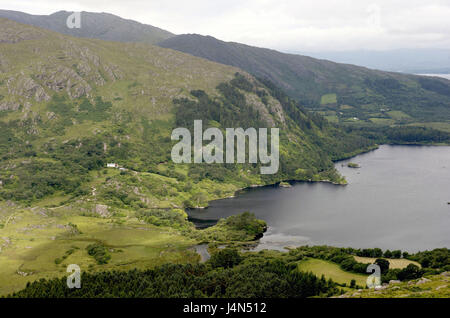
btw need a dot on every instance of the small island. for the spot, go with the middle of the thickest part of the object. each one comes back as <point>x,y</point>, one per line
<point>353,165</point>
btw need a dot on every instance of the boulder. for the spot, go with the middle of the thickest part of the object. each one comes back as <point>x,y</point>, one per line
<point>423,280</point>
<point>102,210</point>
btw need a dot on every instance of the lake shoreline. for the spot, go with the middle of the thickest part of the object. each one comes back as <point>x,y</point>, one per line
<point>243,199</point>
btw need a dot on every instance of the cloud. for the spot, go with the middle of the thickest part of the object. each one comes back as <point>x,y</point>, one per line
<point>288,25</point>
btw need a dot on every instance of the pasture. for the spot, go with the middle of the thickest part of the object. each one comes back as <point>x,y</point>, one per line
<point>331,270</point>
<point>393,263</point>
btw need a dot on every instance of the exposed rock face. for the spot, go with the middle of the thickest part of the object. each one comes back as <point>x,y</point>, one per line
<point>104,26</point>
<point>84,68</point>
<point>113,72</point>
<point>27,87</point>
<point>9,106</point>
<point>3,64</point>
<point>64,78</point>
<point>272,106</point>
<point>10,34</point>
<point>423,280</point>
<point>102,210</point>
<point>89,65</point>
<point>51,115</point>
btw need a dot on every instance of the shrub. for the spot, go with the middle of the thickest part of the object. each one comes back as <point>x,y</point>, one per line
<point>225,258</point>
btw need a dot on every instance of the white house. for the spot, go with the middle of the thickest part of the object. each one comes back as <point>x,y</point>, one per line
<point>112,165</point>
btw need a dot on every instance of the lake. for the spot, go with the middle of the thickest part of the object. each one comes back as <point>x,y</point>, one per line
<point>398,199</point>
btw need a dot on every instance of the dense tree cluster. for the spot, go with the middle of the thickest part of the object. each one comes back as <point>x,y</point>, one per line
<point>227,275</point>
<point>432,262</point>
<point>436,259</point>
<point>99,252</point>
<point>402,134</point>
<point>336,142</point>
<point>164,217</point>
<point>246,222</point>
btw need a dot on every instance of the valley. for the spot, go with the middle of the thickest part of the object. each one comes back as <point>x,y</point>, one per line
<point>87,178</point>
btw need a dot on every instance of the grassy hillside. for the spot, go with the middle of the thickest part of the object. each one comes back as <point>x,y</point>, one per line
<point>398,263</point>
<point>331,271</point>
<point>342,92</point>
<point>103,26</point>
<point>229,273</point>
<point>69,106</point>
<point>72,104</point>
<point>355,96</point>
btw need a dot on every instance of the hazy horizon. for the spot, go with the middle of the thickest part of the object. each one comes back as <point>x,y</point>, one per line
<point>287,25</point>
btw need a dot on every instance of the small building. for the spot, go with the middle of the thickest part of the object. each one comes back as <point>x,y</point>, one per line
<point>112,165</point>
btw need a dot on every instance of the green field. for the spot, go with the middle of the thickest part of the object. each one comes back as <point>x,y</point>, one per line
<point>328,99</point>
<point>393,263</point>
<point>382,121</point>
<point>331,270</point>
<point>332,119</point>
<point>40,243</point>
<point>398,115</point>
<point>444,126</point>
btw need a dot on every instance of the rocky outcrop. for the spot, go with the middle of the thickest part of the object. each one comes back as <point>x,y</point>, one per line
<point>102,210</point>
<point>9,106</point>
<point>65,79</point>
<point>423,280</point>
<point>26,87</point>
<point>9,33</point>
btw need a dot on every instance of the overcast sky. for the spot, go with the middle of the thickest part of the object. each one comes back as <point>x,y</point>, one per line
<point>287,25</point>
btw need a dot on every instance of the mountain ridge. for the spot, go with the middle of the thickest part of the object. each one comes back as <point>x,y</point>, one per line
<point>342,91</point>
<point>103,26</point>
<point>56,89</point>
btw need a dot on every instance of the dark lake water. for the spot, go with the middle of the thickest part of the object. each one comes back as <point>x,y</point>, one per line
<point>398,199</point>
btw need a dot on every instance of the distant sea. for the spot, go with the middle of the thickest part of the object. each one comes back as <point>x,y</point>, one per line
<point>447,76</point>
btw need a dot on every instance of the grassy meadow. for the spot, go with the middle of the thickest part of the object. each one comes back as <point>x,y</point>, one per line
<point>331,271</point>
<point>394,263</point>
<point>40,243</point>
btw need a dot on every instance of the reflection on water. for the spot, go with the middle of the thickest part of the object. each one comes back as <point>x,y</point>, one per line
<point>397,200</point>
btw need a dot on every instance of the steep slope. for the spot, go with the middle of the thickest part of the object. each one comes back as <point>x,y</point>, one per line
<point>344,93</point>
<point>102,26</point>
<point>69,106</point>
<point>62,98</point>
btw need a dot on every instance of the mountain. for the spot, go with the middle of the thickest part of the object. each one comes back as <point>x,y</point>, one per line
<point>54,86</point>
<point>69,106</point>
<point>342,92</point>
<point>103,26</point>
<point>418,61</point>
